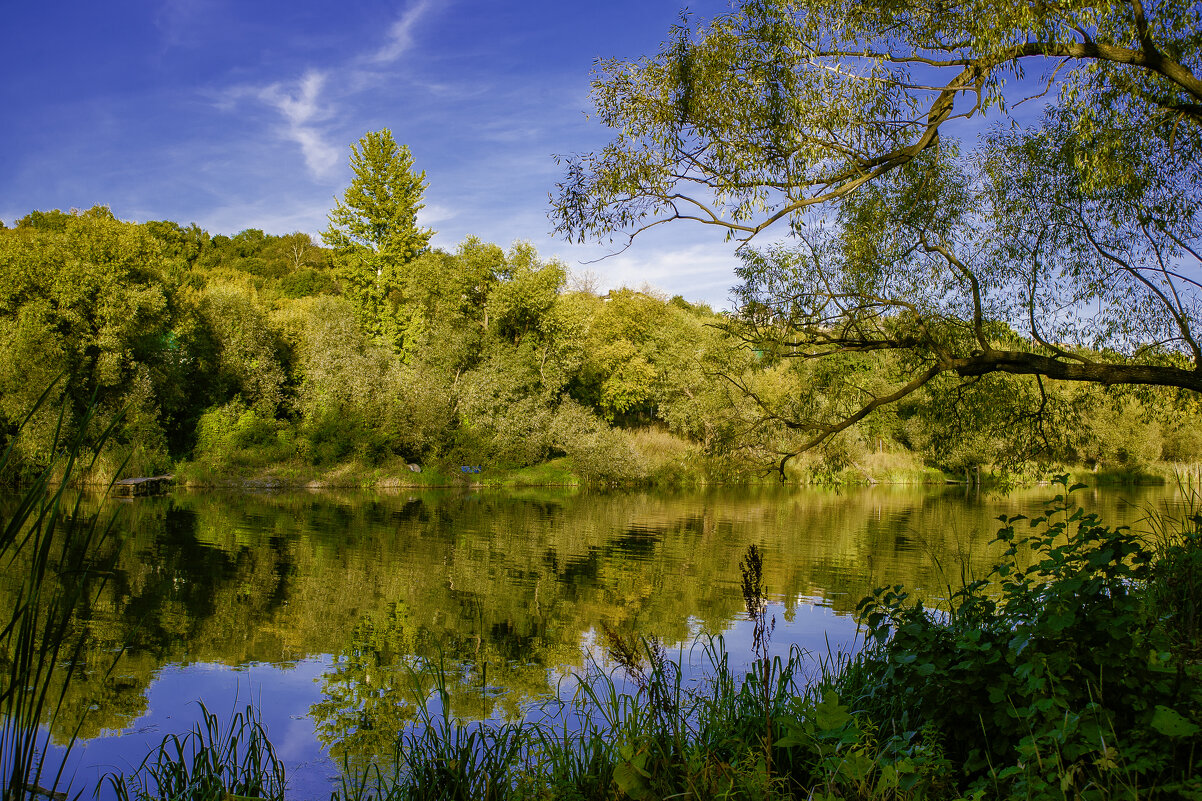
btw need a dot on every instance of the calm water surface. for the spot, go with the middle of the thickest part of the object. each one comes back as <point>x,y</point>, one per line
<point>315,606</point>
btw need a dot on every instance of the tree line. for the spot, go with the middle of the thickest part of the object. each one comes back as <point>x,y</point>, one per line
<point>244,353</point>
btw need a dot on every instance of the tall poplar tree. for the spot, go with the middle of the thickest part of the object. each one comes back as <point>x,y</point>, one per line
<point>374,231</point>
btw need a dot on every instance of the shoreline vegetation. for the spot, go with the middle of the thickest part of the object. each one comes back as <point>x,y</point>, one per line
<point>559,473</point>
<point>678,465</point>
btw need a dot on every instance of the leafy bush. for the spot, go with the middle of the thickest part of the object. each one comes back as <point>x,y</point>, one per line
<point>329,438</point>
<point>1055,679</point>
<point>234,435</point>
<point>598,452</point>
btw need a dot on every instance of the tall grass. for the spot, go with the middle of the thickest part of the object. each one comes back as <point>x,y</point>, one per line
<point>212,762</point>
<point>637,731</point>
<point>1176,582</point>
<point>54,558</point>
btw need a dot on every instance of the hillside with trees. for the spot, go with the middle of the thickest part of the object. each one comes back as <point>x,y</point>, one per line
<point>274,359</point>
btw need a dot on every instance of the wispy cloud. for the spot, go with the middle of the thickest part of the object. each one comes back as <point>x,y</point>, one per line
<point>302,109</point>
<point>698,272</point>
<point>305,104</point>
<point>400,33</point>
<point>435,213</point>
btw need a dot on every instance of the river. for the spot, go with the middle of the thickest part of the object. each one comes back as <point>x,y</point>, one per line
<point>315,607</point>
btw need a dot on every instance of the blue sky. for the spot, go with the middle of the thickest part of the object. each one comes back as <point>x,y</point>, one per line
<point>239,114</point>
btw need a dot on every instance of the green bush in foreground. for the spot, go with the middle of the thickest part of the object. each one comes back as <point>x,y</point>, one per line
<point>1065,675</point>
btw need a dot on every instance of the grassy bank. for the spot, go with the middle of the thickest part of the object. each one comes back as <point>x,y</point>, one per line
<point>638,458</point>
<point>669,467</point>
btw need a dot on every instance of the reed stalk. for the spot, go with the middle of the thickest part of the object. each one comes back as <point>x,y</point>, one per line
<point>56,559</point>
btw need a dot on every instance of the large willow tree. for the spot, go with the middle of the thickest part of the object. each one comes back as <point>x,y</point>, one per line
<point>975,187</point>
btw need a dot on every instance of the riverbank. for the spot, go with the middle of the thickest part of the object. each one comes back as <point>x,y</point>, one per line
<point>695,470</point>
<point>555,473</point>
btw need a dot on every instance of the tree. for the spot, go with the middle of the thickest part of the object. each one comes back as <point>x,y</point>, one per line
<point>374,230</point>
<point>83,295</point>
<point>1070,249</point>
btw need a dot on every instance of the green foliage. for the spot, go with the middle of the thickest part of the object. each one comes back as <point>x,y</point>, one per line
<point>1175,587</point>
<point>84,295</point>
<point>1058,678</point>
<point>504,416</point>
<point>839,753</point>
<point>245,349</point>
<point>1062,249</point>
<point>354,392</point>
<point>597,452</point>
<point>619,374</point>
<point>378,212</point>
<point>518,305</point>
<point>374,233</point>
<point>210,763</point>
<point>235,435</point>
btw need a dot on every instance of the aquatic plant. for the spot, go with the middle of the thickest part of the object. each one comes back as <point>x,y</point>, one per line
<point>209,763</point>
<point>55,559</point>
<point>1059,676</point>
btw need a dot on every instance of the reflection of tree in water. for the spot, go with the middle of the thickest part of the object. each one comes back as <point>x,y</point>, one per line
<point>170,599</point>
<point>368,691</point>
<point>506,588</point>
<point>389,669</point>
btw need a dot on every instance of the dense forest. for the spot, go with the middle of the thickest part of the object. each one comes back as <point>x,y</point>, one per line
<point>238,357</point>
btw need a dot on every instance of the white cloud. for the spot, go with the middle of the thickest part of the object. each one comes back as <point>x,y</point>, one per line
<point>697,272</point>
<point>304,104</point>
<point>433,214</point>
<point>301,107</point>
<point>269,215</point>
<point>400,34</point>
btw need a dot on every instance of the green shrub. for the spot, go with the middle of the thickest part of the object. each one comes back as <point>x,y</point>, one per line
<point>598,452</point>
<point>234,435</point>
<point>1057,679</point>
<point>329,438</point>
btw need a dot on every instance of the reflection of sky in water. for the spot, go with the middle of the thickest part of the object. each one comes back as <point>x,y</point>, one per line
<point>622,561</point>
<point>285,693</point>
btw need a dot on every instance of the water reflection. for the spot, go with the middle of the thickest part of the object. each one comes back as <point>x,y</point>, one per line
<point>360,593</point>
